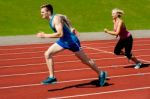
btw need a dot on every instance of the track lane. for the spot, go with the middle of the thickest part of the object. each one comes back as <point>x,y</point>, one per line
<point>83,87</point>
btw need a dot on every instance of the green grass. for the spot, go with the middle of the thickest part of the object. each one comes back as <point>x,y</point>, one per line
<point>22,17</point>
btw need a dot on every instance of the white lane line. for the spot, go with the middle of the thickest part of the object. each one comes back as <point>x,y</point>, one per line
<point>99,93</point>
<point>144,60</point>
<point>57,71</point>
<point>113,46</point>
<point>24,65</point>
<point>112,53</point>
<point>43,56</point>
<point>82,44</point>
<point>47,45</point>
<point>102,51</point>
<point>10,66</point>
<point>79,80</point>
<point>17,53</point>
<point>98,49</point>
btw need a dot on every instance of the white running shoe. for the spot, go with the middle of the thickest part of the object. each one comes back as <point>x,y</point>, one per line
<point>138,65</point>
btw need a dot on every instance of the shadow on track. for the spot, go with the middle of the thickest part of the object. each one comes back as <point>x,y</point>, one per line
<point>91,84</point>
<point>144,65</point>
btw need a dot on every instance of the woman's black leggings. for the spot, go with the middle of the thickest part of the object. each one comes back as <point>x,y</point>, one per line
<point>124,43</point>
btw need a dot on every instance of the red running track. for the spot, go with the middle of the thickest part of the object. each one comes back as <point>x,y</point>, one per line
<point>23,67</point>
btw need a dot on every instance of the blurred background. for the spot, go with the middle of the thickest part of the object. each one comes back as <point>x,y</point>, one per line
<point>22,17</point>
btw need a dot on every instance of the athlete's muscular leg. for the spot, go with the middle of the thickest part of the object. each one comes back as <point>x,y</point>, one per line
<point>84,58</point>
<point>55,48</point>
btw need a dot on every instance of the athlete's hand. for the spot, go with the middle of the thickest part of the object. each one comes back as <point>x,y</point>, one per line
<point>75,32</point>
<point>105,30</point>
<point>41,35</point>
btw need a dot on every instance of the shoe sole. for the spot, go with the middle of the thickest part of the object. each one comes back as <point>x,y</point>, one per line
<point>47,83</point>
<point>44,83</point>
<point>137,67</point>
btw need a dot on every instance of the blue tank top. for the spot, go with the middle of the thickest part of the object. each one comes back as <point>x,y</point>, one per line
<point>68,37</point>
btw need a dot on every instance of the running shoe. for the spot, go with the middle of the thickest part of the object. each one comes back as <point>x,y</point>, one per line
<point>102,78</point>
<point>49,80</point>
<point>138,65</point>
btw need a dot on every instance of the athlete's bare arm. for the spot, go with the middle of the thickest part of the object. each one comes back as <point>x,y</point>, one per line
<point>57,23</point>
<point>120,23</point>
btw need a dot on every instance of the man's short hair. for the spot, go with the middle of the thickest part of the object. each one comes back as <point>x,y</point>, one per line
<point>49,7</point>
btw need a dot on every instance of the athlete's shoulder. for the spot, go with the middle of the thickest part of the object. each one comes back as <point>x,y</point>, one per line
<point>61,16</point>
<point>120,21</point>
<point>57,18</point>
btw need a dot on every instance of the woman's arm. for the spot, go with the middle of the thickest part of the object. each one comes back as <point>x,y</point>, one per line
<point>117,30</point>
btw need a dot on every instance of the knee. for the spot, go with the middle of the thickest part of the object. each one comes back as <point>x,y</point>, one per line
<point>47,55</point>
<point>91,62</point>
<point>116,52</point>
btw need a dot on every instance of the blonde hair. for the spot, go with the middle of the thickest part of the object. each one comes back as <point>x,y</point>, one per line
<point>118,11</point>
